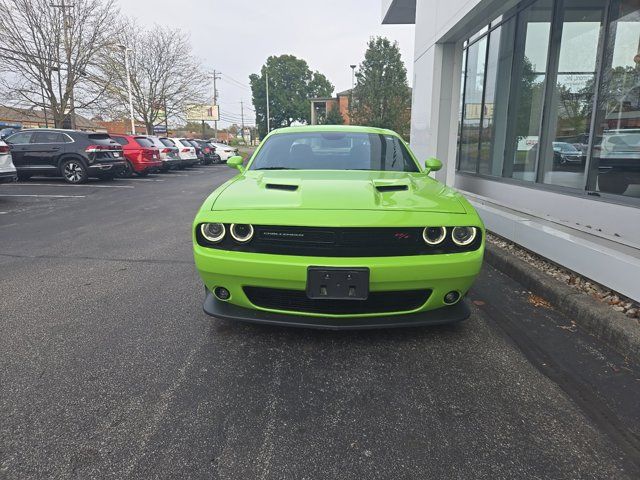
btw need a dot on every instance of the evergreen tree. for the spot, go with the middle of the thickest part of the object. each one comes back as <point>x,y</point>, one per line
<point>334,117</point>
<point>381,97</point>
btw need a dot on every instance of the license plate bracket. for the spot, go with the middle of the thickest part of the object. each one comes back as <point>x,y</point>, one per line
<point>334,283</point>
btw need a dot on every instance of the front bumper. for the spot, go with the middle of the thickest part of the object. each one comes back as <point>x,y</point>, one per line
<point>235,270</point>
<point>225,310</point>
<point>8,177</point>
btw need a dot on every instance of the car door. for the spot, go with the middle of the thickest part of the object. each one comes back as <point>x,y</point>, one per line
<point>46,146</point>
<point>19,143</point>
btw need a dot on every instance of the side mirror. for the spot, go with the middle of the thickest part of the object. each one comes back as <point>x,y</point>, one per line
<point>432,165</point>
<point>236,162</point>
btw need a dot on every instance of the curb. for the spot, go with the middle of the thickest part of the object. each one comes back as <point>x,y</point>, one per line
<point>596,318</point>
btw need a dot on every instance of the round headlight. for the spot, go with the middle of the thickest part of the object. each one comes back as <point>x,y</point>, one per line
<point>213,232</point>
<point>463,236</point>
<point>434,235</point>
<point>241,232</point>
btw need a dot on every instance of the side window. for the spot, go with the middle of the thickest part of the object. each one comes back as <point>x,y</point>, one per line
<point>19,138</point>
<point>47,137</point>
<point>120,140</point>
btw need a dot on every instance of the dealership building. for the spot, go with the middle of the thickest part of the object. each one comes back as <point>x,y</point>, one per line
<point>534,108</point>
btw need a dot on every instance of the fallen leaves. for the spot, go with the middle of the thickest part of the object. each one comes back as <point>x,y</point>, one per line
<point>537,301</point>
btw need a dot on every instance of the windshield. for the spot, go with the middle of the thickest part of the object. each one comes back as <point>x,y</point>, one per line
<point>334,151</point>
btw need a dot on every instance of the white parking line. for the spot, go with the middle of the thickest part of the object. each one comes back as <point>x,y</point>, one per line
<point>179,175</point>
<point>47,196</point>
<point>142,179</point>
<point>3,213</point>
<point>84,185</point>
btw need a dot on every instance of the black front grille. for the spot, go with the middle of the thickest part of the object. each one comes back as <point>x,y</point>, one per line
<point>340,241</point>
<point>297,301</point>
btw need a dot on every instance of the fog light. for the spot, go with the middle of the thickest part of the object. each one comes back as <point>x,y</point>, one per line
<point>451,297</point>
<point>222,293</point>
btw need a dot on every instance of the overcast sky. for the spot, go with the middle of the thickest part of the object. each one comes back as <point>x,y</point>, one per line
<point>236,37</point>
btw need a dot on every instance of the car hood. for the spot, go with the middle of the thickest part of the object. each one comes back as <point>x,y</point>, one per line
<point>337,190</point>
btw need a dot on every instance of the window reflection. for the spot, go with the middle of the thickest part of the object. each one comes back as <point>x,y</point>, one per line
<point>530,71</point>
<point>615,164</point>
<point>563,158</point>
<point>472,108</point>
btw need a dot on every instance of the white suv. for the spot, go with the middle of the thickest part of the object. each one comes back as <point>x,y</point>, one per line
<point>225,151</point>
<point>186,151</point>
<point>7,170</point>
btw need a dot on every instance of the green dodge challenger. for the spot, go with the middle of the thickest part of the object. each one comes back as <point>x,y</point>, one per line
<point>337,227</point>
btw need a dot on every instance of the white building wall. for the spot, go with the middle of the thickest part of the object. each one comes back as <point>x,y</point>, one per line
<point>604,237</point>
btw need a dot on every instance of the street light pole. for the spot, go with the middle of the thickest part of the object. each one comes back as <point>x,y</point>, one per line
<point>353,76</point>
<point>268,120</point>
<point>125,49</point>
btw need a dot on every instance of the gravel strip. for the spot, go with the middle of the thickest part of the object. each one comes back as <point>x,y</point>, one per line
<point>617,302</point>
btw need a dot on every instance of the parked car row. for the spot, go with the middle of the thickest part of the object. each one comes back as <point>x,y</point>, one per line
<point>77,156</point>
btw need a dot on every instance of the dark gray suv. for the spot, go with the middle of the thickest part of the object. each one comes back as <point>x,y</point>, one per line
<point>71,154</point>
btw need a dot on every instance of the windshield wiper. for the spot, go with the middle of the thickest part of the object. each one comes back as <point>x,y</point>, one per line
<point>276,168</point>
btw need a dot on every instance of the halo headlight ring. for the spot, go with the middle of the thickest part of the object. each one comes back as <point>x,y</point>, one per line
<point>213,232</point>
<point>242,236</point>
<point>434,235</point>
<point>472,233</point>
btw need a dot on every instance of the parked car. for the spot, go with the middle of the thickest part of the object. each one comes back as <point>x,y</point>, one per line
<point>337,227</point>
<point>199,152</point>
<point>187,152</point>
<point>169,153</point>
<point>143,157</point>
<point>7,170</point>
<point>208,150</point>
<point>617,158</point>
<point>566,154</point>
<point>225,151</point>
<point>72,154</point>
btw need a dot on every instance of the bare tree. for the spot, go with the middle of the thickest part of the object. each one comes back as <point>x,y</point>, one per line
<point>49,53</point>
<point>165,76</point>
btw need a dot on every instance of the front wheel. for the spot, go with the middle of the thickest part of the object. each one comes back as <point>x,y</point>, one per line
<point>142,174</point>
<point>74,171</point>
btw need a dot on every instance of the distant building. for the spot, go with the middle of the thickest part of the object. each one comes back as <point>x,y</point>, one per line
<point>321,106</point>
<point>121,127</point>
<point>12,117</point>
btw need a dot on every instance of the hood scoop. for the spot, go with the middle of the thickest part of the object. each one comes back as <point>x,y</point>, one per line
<point>282,186</point>
<point>392,188</point>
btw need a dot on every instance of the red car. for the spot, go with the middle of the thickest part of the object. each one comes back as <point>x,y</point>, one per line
<point>141,153</point>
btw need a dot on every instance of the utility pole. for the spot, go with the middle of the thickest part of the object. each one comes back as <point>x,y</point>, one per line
<point>242,117</point>
<point>67,47</point>
<point>268,121</point>
<point>215,103</point>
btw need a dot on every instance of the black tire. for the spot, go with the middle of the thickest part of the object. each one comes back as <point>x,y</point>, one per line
<point>613,182</point>
<point>23,176</point>
<point>73,171</point>
<point>126,171</point>
<point>142,174</point>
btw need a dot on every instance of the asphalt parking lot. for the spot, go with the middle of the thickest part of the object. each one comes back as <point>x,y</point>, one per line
<point>110,369</point>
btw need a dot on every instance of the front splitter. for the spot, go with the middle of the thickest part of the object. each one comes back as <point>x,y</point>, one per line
<point>455,313</point>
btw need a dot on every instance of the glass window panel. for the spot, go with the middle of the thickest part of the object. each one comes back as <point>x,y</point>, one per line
<point>529,73</point>
<point>472,108</point>
<point>496,99</point>
<point>615,158</point>
<point>563,156</point>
